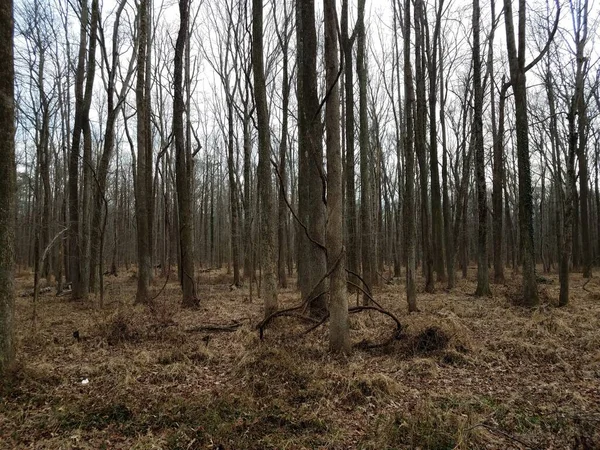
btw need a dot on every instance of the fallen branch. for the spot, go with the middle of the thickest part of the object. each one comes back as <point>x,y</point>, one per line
<point>289,311</point>
<point>32,293</point>
<point>216,328</point>
<point>502,433</point>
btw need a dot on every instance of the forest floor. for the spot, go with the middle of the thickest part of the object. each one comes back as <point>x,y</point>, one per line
<point>465,372</point>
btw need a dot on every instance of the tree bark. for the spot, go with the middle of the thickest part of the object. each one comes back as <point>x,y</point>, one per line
<point>183,166</point>
<point>516,59</point>
<point>267,216</point>
<point>143,178</point>
<point>421,143</point>
<point>366,163</point>
<point>436,200</point>
<point>351,232</point>
<point>7,188</point>
<point>410,231</point>
<point>312,261</point>
<point>483,286</point>
<point>339,341</point>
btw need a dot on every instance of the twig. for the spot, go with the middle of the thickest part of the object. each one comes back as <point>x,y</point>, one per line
<point>369,296</point>
<point>296,218</point>
<point>362,280</point>
<point>224,328</point>
<point>387,280</point>
<point>164,285</point>
<point>309,299</point>
<point>506,435</point>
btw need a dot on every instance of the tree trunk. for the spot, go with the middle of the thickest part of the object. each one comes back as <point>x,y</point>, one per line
<point>183,166</point>
<point>312,261</point>
<point>421,143</point>
<point>282,229</point>
<point>366,164</point>
<point>339,339</point>
<point>517,75</point>
<point>267,216</point>
<point>7,188</point>
<point>483,286</point>
<point>351,233</point>
<point>436,200</point>
<point>410,231</point>
<point>74,219</point>
<point>143,179</point>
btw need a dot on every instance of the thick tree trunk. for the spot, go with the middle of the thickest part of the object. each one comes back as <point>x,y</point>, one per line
<point>7,188</point>
<point>517,75</point>
<point>312,261</point>
<point>143,178</point>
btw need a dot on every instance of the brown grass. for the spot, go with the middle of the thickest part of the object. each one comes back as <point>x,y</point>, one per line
<point>466,373</point>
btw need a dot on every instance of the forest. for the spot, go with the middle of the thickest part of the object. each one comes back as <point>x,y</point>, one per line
<point>289,224</point>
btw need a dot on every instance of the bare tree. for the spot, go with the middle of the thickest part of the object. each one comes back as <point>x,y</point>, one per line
<point>366,195</point>
<point>409,199</point>
<point>7,187</point>
<point>420,130</point>
<point>312,261</point>
<point>183,165</point>
<point>351,232</point>
<point>84,81</point>
<point>267,214</point>
<point>339,341</point>
<point>518,70</point>
<point>483,284</point>
<point>111,64</point>
<point>284,38</point>
<point>143,173</point>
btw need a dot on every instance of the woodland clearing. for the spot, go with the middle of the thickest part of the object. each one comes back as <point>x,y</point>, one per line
<point>464,373</point>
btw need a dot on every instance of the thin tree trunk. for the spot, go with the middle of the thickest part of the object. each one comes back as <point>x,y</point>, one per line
<point>483,286</point>
<point>351,232</point>
<point>420,145</point>
<point>183,166</point>
<point>410,231</point>
<point>267,216</point>
<point>366,163</point>
<point>339,340</point>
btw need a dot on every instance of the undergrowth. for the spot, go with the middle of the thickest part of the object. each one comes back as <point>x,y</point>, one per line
<point>465,373</point>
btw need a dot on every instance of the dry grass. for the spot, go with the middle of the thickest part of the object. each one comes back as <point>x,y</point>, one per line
<point>466,373</point>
